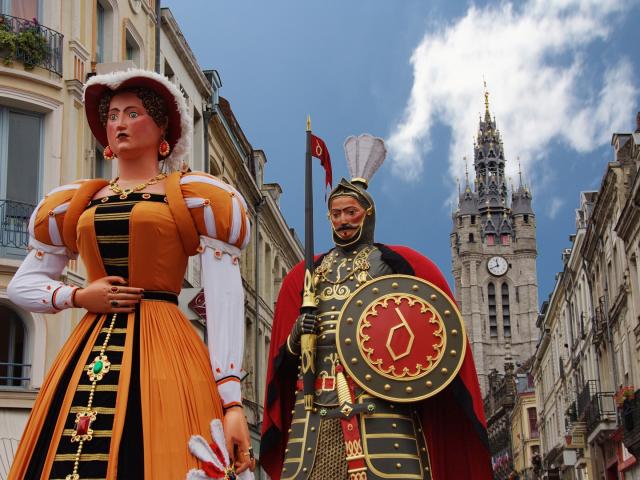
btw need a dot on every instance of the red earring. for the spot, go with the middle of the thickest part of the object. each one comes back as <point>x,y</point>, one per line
<point>164,149</point>
<point>108,153</point>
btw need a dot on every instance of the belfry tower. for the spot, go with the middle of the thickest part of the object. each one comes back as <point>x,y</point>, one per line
<point>493,250</point>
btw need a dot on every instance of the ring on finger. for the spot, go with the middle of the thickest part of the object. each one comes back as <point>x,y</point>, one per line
<point>114,303</point>
<point>115,289</point>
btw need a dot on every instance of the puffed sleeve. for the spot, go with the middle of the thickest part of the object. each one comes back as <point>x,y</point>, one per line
<point>36,286</point>
<point>220,215</point>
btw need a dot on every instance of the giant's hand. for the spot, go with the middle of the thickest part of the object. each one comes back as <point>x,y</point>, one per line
<point>305,323</point>
<point>236,434</point>
<point>108,295</point>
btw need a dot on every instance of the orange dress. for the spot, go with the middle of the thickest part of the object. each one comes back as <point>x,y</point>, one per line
<point>156,385</point>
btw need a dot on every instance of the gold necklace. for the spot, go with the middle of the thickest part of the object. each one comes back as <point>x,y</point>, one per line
<point>125,192</point>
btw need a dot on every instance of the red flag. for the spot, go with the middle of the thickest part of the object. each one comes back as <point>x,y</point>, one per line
<point>321,152</point>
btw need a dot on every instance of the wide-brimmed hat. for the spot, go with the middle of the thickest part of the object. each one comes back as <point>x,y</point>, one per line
<point>179,126</point>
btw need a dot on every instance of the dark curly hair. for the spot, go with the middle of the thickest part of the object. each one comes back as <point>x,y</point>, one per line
<point>153,103</point>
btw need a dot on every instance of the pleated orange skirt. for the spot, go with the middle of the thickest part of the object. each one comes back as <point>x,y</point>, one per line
<point>158,392</point>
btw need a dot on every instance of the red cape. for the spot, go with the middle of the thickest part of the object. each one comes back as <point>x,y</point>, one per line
<point>453,420</point>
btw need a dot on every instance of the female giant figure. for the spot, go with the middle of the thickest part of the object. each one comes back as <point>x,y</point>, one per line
<point>134,381</point>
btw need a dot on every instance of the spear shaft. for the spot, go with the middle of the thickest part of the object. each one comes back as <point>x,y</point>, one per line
<point>308,340</point>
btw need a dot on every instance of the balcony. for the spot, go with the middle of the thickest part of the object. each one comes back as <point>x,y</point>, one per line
<point>14,375</point>
<point>596,409</point>
<point>30,43</point>
<point>14,228</point>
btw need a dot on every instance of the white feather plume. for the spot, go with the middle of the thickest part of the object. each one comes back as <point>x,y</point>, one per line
<point>200,448</point>
<point>365,154</point>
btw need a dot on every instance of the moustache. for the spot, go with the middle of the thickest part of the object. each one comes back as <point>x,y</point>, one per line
<point>346,226</point>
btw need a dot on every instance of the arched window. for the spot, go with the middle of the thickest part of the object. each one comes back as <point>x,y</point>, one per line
<point>493,320</point>
<point>506,315</point>
<point>14,372</point>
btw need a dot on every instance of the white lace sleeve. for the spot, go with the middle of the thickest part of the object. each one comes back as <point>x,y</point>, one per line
<point>224,302</point>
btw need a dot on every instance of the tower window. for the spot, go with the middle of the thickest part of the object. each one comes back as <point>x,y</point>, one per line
<point>473,219</point>
<point>505,239</point>
<point>460,221</point>
<point>525,218</point>
<point>493,319</point>
<point>506,315</point>
<point>471,240</point>
<point>491,239</point>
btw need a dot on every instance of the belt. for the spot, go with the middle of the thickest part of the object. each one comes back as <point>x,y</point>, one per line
<point>160,296</point>
<point>323,384</point>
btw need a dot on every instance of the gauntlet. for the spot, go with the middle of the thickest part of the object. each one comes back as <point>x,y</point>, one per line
<point>305,323</point>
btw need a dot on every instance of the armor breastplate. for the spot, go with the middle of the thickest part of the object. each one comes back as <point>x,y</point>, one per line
<point>392,440</point>
<point>338,276</point>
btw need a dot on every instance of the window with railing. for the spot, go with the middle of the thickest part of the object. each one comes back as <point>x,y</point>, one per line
<point>23,38</point>
<point>20,165</point>
<point>14,370</point>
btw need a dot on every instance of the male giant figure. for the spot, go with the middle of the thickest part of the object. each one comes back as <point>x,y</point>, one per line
<point>366,436</point>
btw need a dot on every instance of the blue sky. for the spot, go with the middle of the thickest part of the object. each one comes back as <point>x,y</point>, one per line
<point>562,76</point>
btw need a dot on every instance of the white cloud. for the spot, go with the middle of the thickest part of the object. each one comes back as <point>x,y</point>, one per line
<point>554,207</point>
<point>533,57</point>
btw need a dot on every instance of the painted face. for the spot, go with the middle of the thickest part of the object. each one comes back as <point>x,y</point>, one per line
<point>131,131</point>
<point>346,215</point>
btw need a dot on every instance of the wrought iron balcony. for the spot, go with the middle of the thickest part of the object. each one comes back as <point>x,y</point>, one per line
<point>31,43</point>
<point>584,398</point>
<point>14,226</point>
<point>601,410</point>
<point>595,407</point>
<point>14,374</point>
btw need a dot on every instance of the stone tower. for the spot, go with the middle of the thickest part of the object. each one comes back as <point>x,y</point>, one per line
<point>493,250</point>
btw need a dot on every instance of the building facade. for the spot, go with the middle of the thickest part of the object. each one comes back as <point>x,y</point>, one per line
<point>586,363</point>
<point>493,249</point>
<point>525,436</point>
<point>510,407</point>
<point>48,49</point>
<point>41,98</point>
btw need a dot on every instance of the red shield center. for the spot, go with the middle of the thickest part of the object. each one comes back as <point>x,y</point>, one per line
<point>401,337</point>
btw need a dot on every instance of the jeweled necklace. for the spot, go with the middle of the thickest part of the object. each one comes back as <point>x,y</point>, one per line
<point>125,192</point>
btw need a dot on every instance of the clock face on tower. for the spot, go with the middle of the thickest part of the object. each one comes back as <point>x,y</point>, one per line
<point>497,266</point>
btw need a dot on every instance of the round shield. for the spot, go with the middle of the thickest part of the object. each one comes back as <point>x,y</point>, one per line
<point>401,338</point>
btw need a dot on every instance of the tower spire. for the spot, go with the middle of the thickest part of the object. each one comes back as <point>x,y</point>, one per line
<point>466,174</point>
<point>520,172</point>
<point>486,100</point>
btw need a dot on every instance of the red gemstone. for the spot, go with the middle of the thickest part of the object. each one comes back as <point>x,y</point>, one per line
<point>83,425</point>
